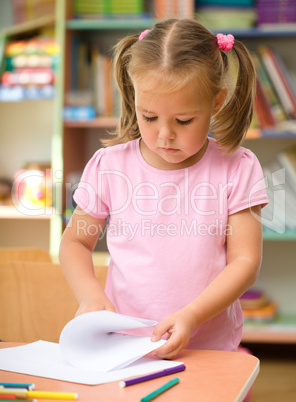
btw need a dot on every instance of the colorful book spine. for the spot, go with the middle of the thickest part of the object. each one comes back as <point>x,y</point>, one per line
<point>257,307</point>
<point>92,81</point>
<point>226,3</point>
<point>27,76</point>
<point>28,10</point>
<point>264,111</point>
<point>277,80</point>
<point>285,78</point>
<point>29,69</point>
<point>173,8</point>
<point>107,8</point>
<point>275,11</point>
<point>288,77</point>
<point>79,113</point>
<point>270,95</point>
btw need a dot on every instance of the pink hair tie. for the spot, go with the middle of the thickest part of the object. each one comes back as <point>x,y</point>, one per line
<point>144,33</point>
<point>225,42</point>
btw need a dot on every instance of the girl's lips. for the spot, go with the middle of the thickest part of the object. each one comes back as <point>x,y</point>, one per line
<point>169,150</point>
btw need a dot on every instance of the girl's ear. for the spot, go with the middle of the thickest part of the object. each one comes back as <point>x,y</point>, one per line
<point>220,99</point>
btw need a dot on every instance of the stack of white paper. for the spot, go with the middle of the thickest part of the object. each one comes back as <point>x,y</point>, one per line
<point>89,352</point>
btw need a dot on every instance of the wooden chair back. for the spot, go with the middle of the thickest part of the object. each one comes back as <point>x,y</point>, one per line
<point>36,301</point>
<point>23,254</point>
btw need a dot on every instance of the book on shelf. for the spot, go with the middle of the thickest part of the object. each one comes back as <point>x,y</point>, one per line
<point>266,313</point>
<point>257,307</point>
<point>263,107</point>
<point>92,84</point>
<point>224,17</point>
<point>79,113</point>
<point>173,8</point>
<point>28,10</point>
<point>28,76</point>
<point>28,70</point>
<point>278,79</point>
<point>275,101</point>
<point>273,12</point>
<point>108,9</point>
<point>226,3</point>
<point>287,74</point>
<point>103,83</point>
<point>285,78</point>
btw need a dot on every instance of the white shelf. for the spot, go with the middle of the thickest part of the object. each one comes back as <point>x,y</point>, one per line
<point>28,26</point>
<point>282,330</point>
<point>11,212</point>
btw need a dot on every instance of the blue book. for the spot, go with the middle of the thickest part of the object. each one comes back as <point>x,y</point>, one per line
<point>227,3</point>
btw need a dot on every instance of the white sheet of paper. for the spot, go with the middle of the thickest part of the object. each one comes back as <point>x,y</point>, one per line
<point>89,351</point>
<point>89,342</point>
<point>44,359</point>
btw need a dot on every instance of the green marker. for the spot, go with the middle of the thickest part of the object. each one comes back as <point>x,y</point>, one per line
<point>160,390</point>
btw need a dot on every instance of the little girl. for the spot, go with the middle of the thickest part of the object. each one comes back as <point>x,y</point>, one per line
<point>183,208</point>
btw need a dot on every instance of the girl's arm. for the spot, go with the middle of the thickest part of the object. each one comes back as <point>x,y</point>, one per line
<point>244,251</point>
<point>77,245</point>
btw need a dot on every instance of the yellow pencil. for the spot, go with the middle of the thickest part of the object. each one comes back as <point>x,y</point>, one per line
<point>39,394</point>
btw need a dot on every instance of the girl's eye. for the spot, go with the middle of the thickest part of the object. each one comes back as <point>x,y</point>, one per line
<point>184,122</point>
<point>181,122</point>
<point>149,119</point>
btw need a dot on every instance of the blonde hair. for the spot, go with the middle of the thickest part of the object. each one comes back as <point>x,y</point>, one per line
<point>179,51</point>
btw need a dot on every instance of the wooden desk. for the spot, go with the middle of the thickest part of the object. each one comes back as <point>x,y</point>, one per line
<point>210,376</point>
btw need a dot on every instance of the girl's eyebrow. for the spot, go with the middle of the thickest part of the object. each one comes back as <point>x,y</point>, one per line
<point>142,109</point>
<point>187,113</point>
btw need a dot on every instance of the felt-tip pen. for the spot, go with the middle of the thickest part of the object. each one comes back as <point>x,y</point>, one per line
<point>17,385</point>
<point>160,390</point>
<point>22,394</point>
<point>137,380</point>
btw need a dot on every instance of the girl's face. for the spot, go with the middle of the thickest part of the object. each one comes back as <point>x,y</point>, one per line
<point>174,126</point>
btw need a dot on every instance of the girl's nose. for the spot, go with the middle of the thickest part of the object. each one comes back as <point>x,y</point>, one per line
<point>166,132</point>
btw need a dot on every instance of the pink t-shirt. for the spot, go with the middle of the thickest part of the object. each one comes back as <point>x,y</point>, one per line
<point>166,230</point>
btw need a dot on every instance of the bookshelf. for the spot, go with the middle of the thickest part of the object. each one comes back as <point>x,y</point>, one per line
<point>109,25</point>
<point>35,143</point>
<point>73,142</point>
<point>25,27</point>
<point>278,272</point>
<point>98,122</point>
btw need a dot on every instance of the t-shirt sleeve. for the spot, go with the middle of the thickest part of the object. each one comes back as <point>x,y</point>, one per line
<point>247,184</point>
<point>91,193</point>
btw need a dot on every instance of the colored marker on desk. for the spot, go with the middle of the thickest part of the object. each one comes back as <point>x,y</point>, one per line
<point>13,397</point>
<point>160,390</point>
<point>9,398</point>
<point>148,377</point>
<point>17,385</point>
<point>24,394</point>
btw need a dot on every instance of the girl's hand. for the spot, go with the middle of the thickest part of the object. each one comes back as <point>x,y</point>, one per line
<point>179,327</point>
<point>88,306</point>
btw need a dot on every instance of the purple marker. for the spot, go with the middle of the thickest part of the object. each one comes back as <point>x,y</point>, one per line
<point>148,377</point>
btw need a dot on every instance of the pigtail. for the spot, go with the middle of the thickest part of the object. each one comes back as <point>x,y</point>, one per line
<point>127,128</point>
<point>233,121</point>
